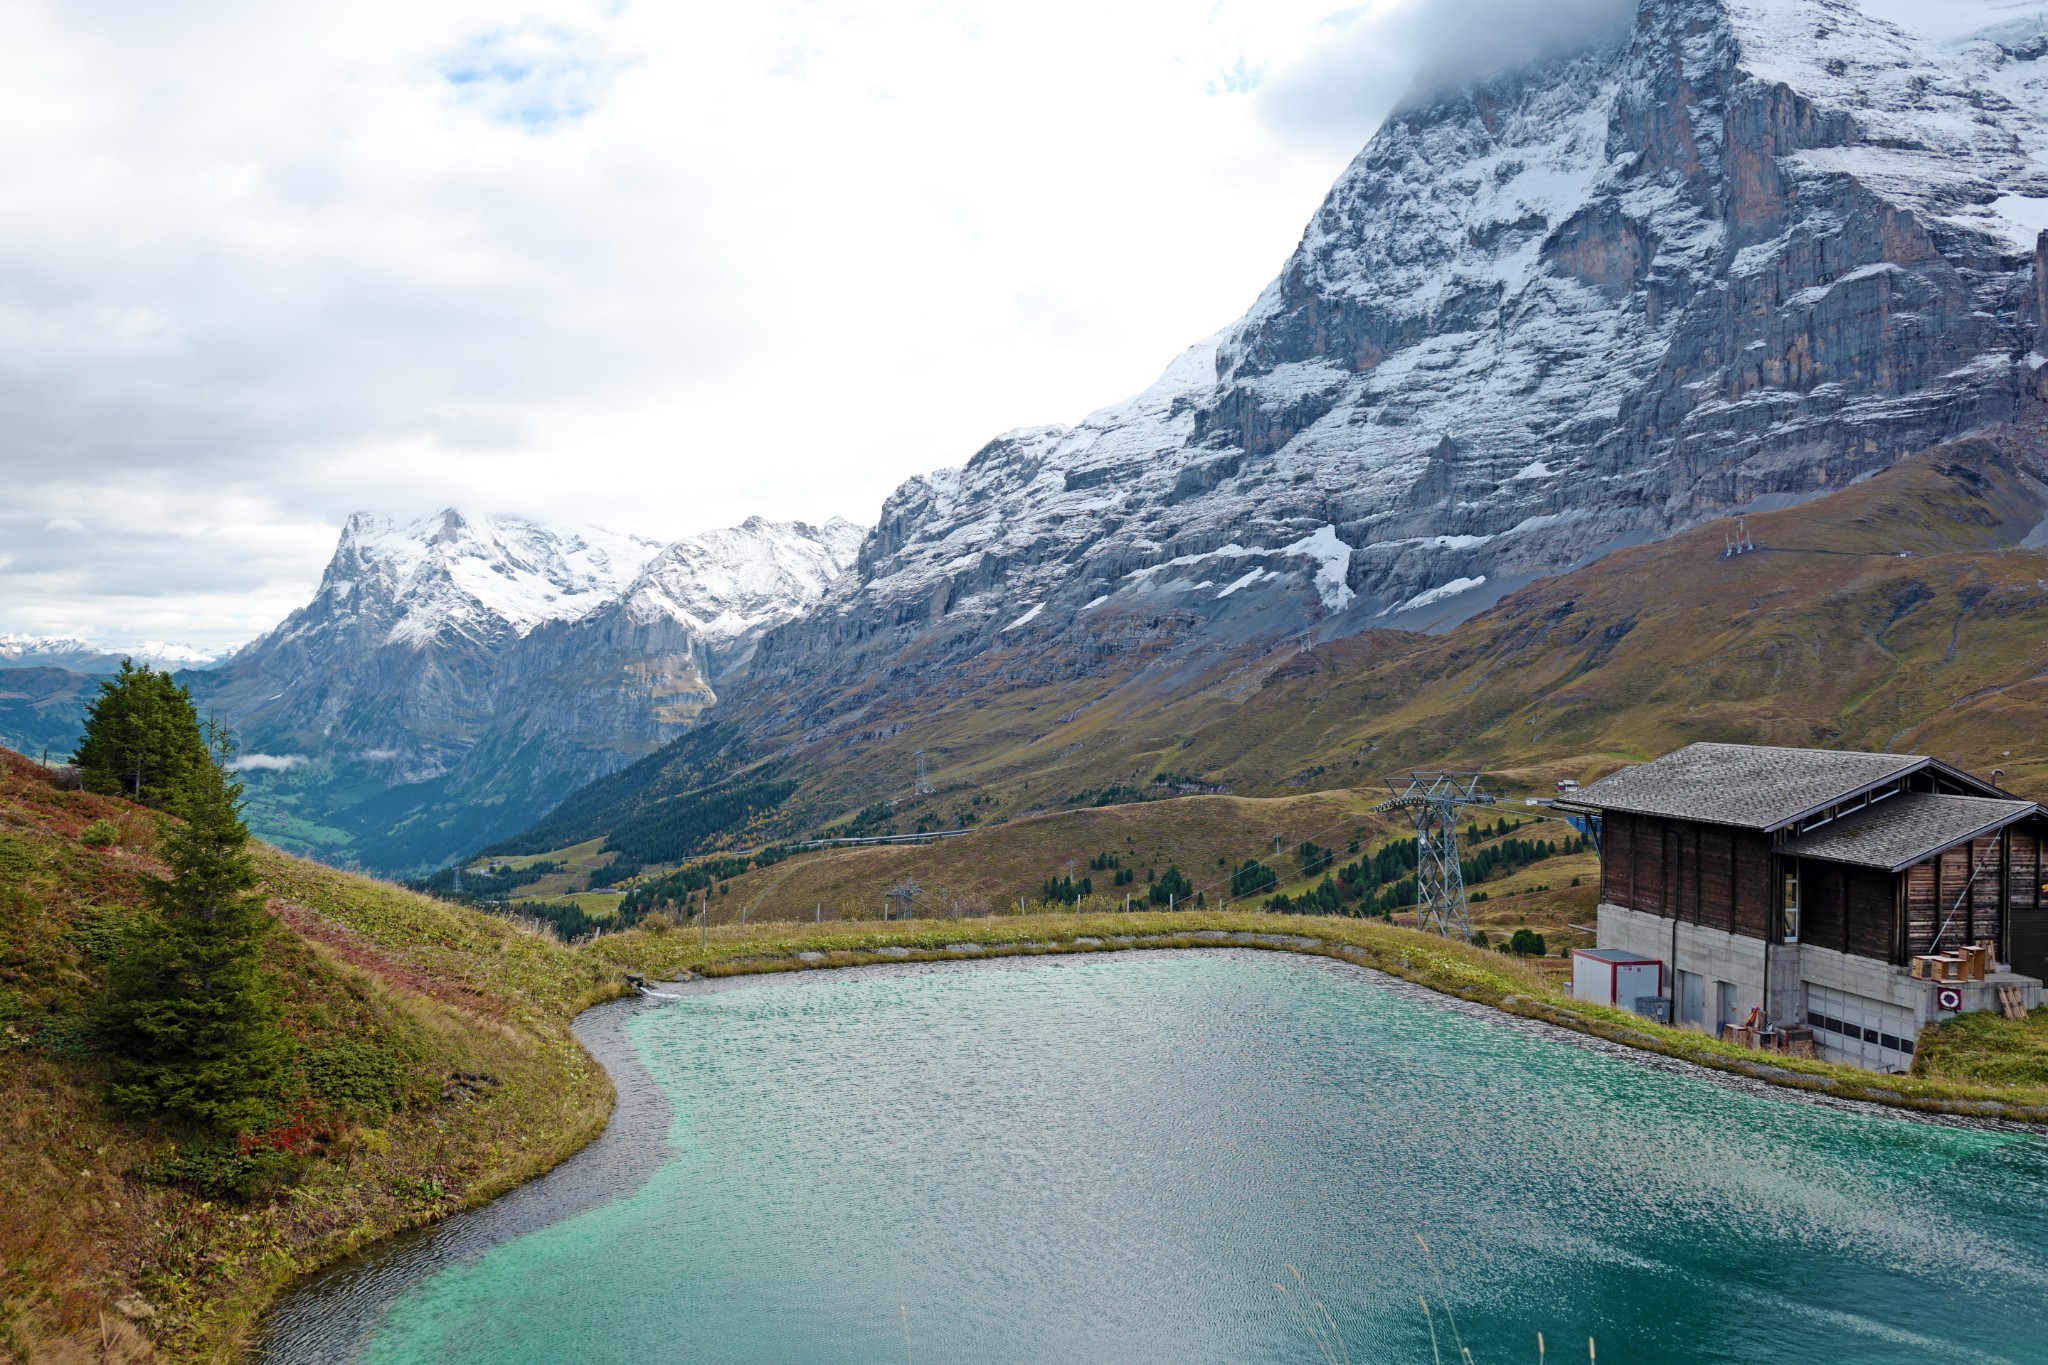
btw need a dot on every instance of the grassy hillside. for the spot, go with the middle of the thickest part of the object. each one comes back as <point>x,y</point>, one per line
<point>434,1069</point>
<point>990,869</point>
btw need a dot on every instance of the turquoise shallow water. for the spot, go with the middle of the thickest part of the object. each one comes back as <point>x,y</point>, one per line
<point>1113,1158</point>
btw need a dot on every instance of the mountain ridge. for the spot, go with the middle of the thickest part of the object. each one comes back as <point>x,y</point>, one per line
<point>453,677</point>
<point>1745,254</point>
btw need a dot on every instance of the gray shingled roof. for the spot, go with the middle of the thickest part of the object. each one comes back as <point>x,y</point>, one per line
<point>1901,830</point>
<point>1748,785</point>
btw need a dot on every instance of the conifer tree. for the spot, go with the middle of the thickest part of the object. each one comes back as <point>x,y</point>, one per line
<point>191,1020</point>
<point>142,738</point>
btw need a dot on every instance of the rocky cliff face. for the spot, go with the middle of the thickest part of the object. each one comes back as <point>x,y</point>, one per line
<point>453,677</point>
<point>1744,252</point>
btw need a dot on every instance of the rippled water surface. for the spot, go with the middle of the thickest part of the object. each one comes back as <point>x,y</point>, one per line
<point>1113,1158</point>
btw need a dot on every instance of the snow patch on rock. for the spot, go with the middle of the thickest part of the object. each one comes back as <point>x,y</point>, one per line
<point>1333,565</point>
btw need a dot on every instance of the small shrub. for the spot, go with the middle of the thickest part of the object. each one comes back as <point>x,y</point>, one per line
<point>100,834</point>
<point>1527,943</point>
<point>360,1079</point>
<point>418,1190</point>
<point>222,1170</point>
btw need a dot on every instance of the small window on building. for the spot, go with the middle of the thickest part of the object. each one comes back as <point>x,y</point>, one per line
<point>1789,927</point>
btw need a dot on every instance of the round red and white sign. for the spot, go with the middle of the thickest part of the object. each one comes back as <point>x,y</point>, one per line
<point>1949,998</point>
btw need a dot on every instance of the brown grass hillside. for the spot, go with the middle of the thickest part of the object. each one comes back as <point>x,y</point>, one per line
<point>435,1069</point>
<point>992,868</point>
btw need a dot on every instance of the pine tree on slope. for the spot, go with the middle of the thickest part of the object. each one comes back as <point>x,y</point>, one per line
<point>191,1019</point>
<point>142,738</point>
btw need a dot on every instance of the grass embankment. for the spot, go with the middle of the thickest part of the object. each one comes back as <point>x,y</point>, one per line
<point>434,1070</point>
<point>1971,1068</point>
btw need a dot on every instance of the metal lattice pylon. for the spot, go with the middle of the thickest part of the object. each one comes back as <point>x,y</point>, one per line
<point>1433,799</point>
<point>902,898</point>
<point>924,783</point>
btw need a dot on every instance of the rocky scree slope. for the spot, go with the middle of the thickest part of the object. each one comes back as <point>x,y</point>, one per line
<point>1741,253</point>
<point>454,677</point>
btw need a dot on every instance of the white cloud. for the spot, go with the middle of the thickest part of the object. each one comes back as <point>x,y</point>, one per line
<point>267,763</point>
<point>653,266</point>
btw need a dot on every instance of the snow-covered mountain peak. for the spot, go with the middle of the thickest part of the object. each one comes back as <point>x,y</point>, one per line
<point>480,576</point>
<point>507,662</point>
<point>83,656</point>
<point>726,583</point>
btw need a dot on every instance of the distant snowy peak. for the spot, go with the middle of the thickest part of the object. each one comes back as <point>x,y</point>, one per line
<point>83,656</point>
<point>728,583</point>
<point>480,577</point>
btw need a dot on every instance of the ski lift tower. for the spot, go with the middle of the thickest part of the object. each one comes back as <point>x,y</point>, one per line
<point>1433,799</point>
<point>902,898</point>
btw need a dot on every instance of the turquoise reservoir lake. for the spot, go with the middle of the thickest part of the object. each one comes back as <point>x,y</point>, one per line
<point>1113,1158</point>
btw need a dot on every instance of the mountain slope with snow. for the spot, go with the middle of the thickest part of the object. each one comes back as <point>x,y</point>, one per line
<point>1740,254</point>
<point>454,677</point>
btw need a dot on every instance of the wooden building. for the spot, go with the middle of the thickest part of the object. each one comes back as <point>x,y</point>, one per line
<point>1806,881</point>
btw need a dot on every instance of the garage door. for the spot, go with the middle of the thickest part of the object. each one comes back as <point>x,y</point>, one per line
<point>1860,1031</point>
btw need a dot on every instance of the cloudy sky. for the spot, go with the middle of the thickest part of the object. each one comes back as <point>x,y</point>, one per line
<point>652,266</point>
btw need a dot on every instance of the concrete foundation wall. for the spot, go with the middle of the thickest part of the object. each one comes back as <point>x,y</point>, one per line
<point>1718,956</point>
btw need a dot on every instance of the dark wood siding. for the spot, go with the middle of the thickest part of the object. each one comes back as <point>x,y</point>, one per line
<point>1651,838</point>
<point>1870,904</point>
<point>1822,917</point>
<point>1717,876</point>
<point>1721,878</point>
<point>1986,890</point>
<point>2024,879</point>
<point>2027,920</point>
<point>1617,849</point>
<point>1752,882</point>
<point>1685,872</point>
<point>1923,898</point>
<point>1952,906</point>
